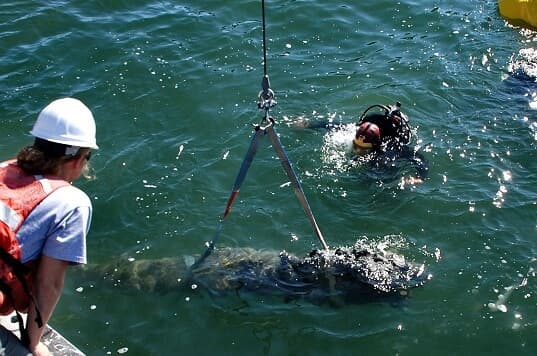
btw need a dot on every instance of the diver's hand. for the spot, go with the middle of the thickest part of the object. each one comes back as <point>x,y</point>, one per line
<point>413,180</point>
<point>300,123</point>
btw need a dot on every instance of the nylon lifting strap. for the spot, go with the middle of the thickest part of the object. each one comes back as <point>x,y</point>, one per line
<point>288,168</point>
<point>266,101</point>
<point>245,165</point>
<point>280,151</point>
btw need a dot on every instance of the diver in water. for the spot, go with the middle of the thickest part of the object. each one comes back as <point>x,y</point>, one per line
<point>382,138</point>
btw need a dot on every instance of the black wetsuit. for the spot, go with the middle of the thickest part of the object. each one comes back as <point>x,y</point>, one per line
<point>394,145</point>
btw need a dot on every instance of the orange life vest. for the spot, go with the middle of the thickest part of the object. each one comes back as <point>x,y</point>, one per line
<point>20,193</point>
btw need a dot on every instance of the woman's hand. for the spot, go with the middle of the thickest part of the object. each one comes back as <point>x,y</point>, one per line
<point>41,350</point>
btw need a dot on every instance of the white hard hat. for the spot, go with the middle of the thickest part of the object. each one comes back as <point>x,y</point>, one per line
<point>67,121</point>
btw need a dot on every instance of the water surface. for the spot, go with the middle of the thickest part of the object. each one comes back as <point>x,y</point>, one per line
<point>173,87</point>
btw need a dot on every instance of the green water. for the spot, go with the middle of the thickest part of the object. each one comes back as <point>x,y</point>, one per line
<point>173,86</point>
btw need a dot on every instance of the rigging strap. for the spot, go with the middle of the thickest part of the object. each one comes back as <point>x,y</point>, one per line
<point>252,150</point>
<point>265,102</point>
<point>280,151</point>
<point>288,168</point>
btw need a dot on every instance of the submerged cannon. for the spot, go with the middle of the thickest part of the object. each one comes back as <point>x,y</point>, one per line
<point>351,274</point>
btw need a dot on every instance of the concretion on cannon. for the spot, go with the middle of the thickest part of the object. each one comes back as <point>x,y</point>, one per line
<point>340,271</point>
<point>351,272</point>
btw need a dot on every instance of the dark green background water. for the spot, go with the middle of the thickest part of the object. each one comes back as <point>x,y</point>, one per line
<point>173,86</point>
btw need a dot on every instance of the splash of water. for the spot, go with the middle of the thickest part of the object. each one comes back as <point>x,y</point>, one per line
<point>336,149</point>
<point>523,65</point>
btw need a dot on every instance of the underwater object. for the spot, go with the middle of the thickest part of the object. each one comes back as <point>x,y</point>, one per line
<point>353,273</point>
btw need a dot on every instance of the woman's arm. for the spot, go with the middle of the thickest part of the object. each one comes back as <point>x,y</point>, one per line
<point>47,289</point>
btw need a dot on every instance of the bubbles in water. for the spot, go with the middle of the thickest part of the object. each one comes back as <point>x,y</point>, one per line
<point>179,151</point>
<point>497,307</point>
<point>437,254</point>
<point>507,176</point>
<point>499,198</point>
<point>147,185</point>
<point>524,64</point>
<point>472,206</point>
<point>533,127</point>
<point>384,243</point>
<point>533,102</point>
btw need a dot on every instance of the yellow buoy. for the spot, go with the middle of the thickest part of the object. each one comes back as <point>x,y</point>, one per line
<point>519,11</point>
